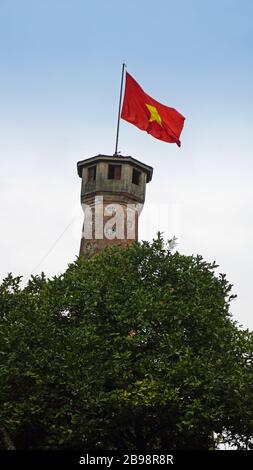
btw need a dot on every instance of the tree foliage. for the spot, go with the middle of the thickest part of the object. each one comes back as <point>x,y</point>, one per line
<point>133,349</point>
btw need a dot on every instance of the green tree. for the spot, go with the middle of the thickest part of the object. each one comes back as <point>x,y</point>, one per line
<point>133,349</point>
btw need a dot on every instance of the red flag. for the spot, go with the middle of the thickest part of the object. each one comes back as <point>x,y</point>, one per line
<point>147,114</point>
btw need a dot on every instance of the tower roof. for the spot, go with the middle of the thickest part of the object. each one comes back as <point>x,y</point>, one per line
<point>115,159</point>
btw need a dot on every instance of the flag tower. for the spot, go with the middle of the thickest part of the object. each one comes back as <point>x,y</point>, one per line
<point>113,186</point>
<point>112,196</point>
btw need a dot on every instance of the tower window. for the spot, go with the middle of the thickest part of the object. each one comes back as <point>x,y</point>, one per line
<point>136,176</point>
<point>114,172</point>
<point>92,171</point>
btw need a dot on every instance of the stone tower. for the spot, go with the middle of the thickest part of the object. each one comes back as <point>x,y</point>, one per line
<point>112,196</point>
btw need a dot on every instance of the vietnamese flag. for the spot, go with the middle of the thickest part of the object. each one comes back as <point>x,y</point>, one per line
<point>147,114</point>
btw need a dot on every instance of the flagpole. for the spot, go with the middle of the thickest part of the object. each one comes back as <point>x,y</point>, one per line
<point>120,100</point>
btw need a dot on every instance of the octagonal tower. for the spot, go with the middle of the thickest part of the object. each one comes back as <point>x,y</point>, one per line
<point>112,197</point>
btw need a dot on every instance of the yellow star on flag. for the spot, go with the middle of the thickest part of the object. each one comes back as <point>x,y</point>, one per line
<point>154,115</point>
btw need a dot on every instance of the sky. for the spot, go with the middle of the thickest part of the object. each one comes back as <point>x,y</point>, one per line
<point>60,67</point>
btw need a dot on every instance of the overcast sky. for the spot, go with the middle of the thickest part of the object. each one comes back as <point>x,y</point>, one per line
<point>60,66</point>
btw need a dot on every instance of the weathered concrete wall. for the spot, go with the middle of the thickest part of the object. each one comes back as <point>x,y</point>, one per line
<point>103,184</point>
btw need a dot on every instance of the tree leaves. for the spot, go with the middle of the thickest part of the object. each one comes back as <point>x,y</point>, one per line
<point>134,348</point>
